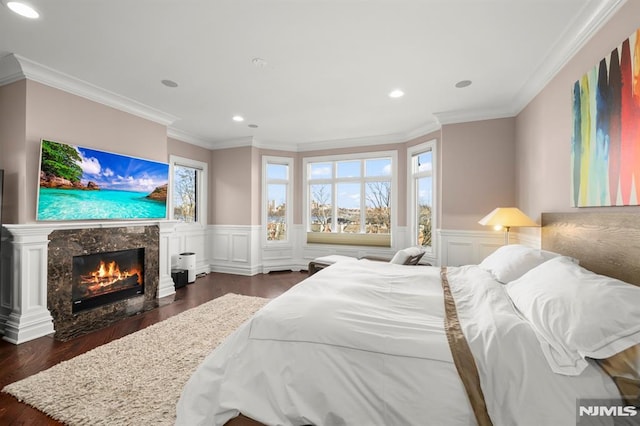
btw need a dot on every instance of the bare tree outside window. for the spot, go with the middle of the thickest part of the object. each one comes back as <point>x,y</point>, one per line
<point>378,213</point>
<point>320,208</point>
<point>424,225</point>
<point>185,194</point>
<point>422,170</point>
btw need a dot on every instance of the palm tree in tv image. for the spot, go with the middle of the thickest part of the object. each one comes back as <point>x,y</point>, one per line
<point>60,165</point>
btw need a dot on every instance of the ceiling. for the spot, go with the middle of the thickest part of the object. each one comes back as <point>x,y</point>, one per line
<point>325,67</point>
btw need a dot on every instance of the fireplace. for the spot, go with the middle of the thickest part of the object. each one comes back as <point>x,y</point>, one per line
<point>75,254</point>
<point>102,278</point>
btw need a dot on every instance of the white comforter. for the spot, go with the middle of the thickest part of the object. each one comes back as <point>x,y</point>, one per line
<point>362,343</point>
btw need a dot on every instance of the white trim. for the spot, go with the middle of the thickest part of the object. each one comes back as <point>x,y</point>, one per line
<point>432,146</point>
<point>235,249</point>
<point>48,76</point>
<point>462,247</point>
<point>393,154</point>
<point>289,203</point>
<point>202,188</point>
<point>585,24</point>
<point>187,137</point>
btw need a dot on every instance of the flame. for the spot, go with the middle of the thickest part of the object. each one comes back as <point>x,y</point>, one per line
<point>108,274</point>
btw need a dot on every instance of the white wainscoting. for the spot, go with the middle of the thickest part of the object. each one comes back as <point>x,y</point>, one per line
<point>459,247</point>
<point>191,239</point>
<point>240,249</point>
<point>235,249</point>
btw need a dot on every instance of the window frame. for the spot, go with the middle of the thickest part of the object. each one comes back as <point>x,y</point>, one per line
<point>412,197</point>
<point>355,239</point>
<point>288,161</point>
<point>202,189</point>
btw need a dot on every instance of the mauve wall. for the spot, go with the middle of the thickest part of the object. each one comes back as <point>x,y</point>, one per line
<point>56,115</point>
<point>544,127</point>
<point>477,172</point>
<point>63,117</point>
<point>12,149</point>
<point>231,192</point>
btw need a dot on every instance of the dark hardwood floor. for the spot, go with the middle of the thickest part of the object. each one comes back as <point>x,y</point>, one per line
<point>20,361</point>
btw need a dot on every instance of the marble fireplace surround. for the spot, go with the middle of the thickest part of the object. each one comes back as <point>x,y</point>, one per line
<point>26,284</point>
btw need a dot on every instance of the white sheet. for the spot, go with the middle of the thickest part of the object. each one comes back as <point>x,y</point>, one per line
<point>362,343</point>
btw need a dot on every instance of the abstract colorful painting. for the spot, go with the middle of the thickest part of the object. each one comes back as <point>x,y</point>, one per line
<point>605,146</point>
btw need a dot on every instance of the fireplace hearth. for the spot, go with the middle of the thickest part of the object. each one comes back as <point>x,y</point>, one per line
<point>103,278</point>
<point>119,266</point>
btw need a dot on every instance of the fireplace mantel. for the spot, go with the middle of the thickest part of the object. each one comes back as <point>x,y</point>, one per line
<point>23,274</point>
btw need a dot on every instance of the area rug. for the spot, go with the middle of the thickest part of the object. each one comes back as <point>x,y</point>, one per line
<point>137,379</point>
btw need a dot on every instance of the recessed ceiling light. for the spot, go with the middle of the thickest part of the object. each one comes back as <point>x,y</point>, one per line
<point>238,118</point>
<point>463,83</point>
<point>396,93</point>
<point>23,9</point>
<point>259,62</point>
<point>169,83</point>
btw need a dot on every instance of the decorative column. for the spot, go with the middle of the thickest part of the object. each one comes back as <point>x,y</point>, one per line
<point>166,286</point>
<point>23,300</point>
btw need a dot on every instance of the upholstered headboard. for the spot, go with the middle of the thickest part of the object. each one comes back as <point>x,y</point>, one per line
<point>607,243</point>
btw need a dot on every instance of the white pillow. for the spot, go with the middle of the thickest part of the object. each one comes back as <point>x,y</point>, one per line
<point>510,262</point>
<point>577,313</point>
<point>403,255</point>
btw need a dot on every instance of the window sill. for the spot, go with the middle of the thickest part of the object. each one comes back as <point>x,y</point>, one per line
<point>371,240</point>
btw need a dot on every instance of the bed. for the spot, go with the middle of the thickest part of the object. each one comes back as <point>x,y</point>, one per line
<point>372,343</point>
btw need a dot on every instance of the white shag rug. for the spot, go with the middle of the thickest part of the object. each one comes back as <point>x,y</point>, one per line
<point>137,379</point>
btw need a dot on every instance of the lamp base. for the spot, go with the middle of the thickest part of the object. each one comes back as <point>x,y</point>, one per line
<point>506,235</point>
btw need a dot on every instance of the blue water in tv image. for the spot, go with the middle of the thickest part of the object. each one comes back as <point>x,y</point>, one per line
<point>78,183</point>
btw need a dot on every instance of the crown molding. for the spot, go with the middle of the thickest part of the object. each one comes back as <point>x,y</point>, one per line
<point>584,26</point>
<point>350,142</point>
<point>10,70</point>
<point>425,129</point>
<point>232,143</point>
<point>465,116</point>
<point>48,76</point>
<point>587,23</point>
<point>187,137</point>
<point>274,145</point>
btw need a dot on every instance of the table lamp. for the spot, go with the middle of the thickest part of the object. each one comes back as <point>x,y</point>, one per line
<point>506,217</point>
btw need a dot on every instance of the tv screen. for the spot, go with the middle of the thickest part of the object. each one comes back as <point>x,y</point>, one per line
<point>79,183</point>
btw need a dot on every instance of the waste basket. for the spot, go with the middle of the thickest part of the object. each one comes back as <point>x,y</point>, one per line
<point>187,261</point>
<point>179,277</point>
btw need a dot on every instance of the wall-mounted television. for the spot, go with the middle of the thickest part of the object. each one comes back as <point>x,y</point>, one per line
<point>79,183</point>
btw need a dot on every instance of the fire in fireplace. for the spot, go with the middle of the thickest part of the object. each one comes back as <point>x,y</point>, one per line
<point>102,278</point>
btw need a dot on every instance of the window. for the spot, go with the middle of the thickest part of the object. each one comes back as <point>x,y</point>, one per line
<point>188,202</point>
<point>277,199</point>
<point>422,194</point>
<point>349,199</point>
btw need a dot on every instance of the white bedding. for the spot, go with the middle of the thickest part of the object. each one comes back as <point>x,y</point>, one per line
<point>362,343</point>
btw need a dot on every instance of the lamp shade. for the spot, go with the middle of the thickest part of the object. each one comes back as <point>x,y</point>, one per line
<point>507,217</point>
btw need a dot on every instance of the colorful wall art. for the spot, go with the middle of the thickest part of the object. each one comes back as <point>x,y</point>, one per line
<point>78,183</point>
<point>605,146</point>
